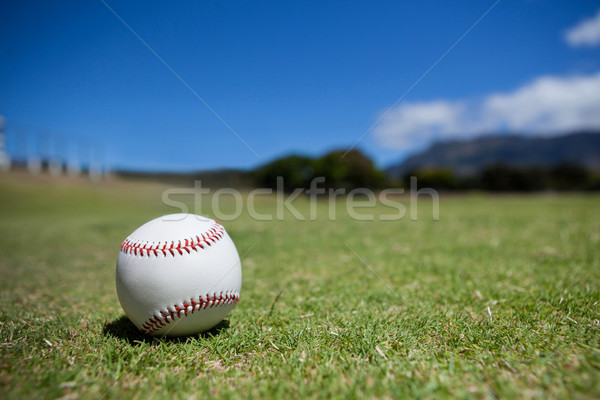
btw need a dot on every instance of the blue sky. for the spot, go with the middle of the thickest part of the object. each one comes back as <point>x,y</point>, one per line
<point>290,77</point>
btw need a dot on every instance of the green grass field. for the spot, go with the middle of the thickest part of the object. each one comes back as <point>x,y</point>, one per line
<point>497,299</point>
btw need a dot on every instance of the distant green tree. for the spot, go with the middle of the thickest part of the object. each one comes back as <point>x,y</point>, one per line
<point>504,178</point>
<point>436,178</point>
<point>340,170</point>
<point>349,170</point>
<point>570,177</point>
<point>296,171</point>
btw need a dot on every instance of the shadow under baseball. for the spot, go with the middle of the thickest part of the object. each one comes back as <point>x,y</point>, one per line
<point>123,329</point>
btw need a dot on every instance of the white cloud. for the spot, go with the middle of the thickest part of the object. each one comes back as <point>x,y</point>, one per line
<point>585,33</point>
<point>548,105</point>
<point>404,126</point>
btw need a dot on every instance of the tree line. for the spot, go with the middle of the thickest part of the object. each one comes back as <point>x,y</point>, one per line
<point>353,169</point>
<point>507,178</point>
<point>341,169</point>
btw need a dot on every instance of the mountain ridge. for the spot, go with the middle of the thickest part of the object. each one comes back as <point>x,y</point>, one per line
<point>468,157</point>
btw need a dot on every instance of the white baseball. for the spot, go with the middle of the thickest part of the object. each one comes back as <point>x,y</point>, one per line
<point>178,274</point>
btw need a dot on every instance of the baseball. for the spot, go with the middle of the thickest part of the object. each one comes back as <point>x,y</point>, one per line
<point>178,275</point>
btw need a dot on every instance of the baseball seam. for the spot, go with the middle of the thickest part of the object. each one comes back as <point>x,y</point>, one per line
<point>145,248</point>
<point>169,315</point>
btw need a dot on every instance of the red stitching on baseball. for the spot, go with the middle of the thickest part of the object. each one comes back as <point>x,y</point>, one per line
<point>167,316</point>
<point>140,248</point>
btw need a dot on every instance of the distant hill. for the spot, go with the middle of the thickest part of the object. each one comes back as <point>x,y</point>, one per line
<point>471,156</point>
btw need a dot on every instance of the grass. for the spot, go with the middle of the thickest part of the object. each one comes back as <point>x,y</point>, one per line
<point>497,299</point>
